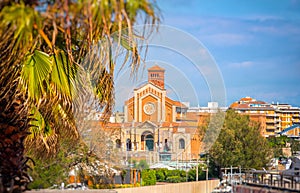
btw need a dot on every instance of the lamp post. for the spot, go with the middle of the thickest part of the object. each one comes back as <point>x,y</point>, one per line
<point>158,141</point>
<point>207,166</point>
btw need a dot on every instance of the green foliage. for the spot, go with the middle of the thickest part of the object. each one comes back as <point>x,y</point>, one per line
<point>180,173</point>
<point>43,46</point>
<point>192,174</point>
<point>161,175</point>
<point>48,172</point>
<point>240,143</point>
<point>277,143</point>
<point>148,177</point>
<point>171,176</point>
<point>175,179</point>
<point>123,175</point>
<point>295,146</point>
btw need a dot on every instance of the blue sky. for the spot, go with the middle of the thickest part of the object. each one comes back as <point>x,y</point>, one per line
<point>256,43</point>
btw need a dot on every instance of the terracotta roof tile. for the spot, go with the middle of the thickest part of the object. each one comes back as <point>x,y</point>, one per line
<point>156,68</point>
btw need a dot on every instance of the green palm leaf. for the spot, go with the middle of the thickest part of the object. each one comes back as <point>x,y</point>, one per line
<point>20,19</point>
<point>35,73</point>
<point>63,75</point>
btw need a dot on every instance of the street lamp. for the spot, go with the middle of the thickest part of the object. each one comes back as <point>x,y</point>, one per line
<point>158,136</point>
<point>207,166</point>
<point>207,161</point>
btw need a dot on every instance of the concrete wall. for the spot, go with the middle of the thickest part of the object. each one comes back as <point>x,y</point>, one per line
<point>188,187</point>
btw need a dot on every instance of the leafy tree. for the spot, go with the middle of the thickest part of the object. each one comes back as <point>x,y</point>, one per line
<point>49,172</point>
<point>277,143</point>
<point>240,143</point>
<point>295,146</point>
<point>55,170</point>
<point>45,49</point>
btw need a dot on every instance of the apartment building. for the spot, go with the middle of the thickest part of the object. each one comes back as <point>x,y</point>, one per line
<point>273,118</point>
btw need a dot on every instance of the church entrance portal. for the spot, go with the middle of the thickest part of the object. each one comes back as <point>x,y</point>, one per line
<point>147,141</point>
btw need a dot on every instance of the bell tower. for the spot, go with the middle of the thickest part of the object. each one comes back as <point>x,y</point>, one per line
<point>156,76</point>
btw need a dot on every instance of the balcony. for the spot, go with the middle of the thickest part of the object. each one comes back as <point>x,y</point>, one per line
<point>272,115</point>
<point>286,116</point>
<point>270,130</point>
<point>270,127</point>
<point>270,121</point>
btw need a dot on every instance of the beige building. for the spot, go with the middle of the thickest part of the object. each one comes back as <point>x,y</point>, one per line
<point>155,127</point>
<point>273,118</point>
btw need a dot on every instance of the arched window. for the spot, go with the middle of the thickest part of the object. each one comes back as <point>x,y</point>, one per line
<point>118,143</point>
<point>128,145</point>
<point>181,144</point>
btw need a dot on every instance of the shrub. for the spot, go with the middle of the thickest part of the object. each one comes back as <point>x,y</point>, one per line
<point>175,179</point>
<point>148,177</point>
<point>192,174</point>
<point>180,173</point>
<point>160,175</point>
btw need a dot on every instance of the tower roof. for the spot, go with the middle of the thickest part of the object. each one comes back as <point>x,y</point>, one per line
<point>156,68</point>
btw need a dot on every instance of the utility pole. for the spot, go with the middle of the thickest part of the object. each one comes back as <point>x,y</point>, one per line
<point>197,168</point>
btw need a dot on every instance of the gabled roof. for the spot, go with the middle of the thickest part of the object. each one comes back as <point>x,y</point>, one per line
<point>156,68</point>
<point>147,123</point>
<point>149,83</point>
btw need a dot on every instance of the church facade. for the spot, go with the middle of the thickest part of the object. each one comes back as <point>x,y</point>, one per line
<point>154,125</point>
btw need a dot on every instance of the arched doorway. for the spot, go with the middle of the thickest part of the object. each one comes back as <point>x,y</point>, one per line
<point>128,145</point>
<point>147,141</point>
<point>181,143</point>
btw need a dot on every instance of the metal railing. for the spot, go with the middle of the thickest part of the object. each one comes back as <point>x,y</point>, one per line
<point>276,180</point>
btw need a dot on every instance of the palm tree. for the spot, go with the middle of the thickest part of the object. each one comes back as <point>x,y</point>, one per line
<point>46,48</point>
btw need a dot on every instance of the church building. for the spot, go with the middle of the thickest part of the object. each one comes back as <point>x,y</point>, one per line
<point>155,126</point>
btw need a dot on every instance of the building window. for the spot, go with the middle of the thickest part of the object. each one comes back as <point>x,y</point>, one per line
<point>181,144</point>
<point>118,143</point>
<point>166,146</point>
<point>128,145</point>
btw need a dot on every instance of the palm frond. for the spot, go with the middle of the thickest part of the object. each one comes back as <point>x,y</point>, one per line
<point>34,75</point>
<point>63,75</point>
<point>42,136</point>
<point>20,20</point>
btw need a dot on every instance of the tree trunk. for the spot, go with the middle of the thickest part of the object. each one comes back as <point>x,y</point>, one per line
<point>13,131</point>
